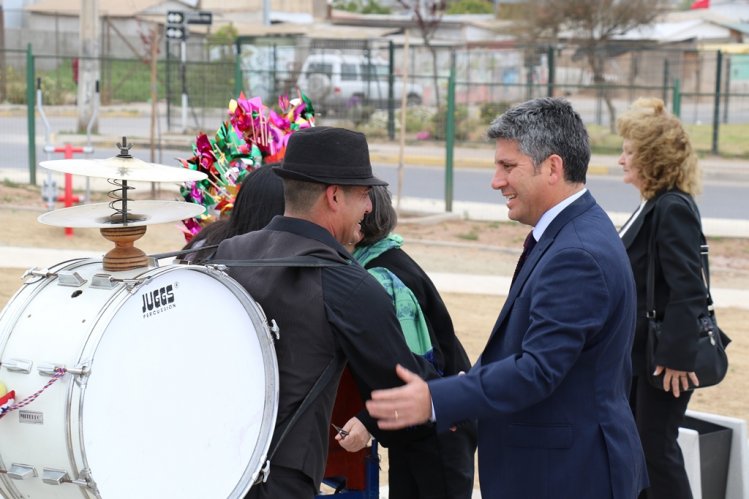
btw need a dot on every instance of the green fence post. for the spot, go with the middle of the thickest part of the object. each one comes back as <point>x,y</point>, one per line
<point>31,113</point>
<point>716,107</point>
<point>676,102</point>
<point>391,91</point>
<point>552,71</point>
<point>238,83</point>
<point>450,136</point>
<point>665,80</point>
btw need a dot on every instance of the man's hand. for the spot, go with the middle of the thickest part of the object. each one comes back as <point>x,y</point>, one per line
<point>673,380</point>
<point>401,407</point>
<point>356,438</point>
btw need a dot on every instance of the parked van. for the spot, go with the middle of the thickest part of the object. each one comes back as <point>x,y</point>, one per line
<point>336,82</point>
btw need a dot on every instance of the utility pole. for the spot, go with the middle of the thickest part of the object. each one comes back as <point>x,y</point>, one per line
<point>88,62</point>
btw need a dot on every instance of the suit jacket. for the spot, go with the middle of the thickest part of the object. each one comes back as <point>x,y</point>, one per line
<point>550,389</point>
<point>680,292</point>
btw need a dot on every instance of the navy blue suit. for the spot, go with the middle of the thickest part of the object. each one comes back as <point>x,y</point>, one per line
<point>550,389</point>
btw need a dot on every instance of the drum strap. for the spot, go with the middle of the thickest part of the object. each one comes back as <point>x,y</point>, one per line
<point>294,261</point>
<point>334,366</point>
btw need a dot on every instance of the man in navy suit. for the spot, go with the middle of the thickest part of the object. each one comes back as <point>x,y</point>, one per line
<point>550,388</point>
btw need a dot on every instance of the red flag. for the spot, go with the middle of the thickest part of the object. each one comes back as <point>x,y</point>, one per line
<point>700,4</point>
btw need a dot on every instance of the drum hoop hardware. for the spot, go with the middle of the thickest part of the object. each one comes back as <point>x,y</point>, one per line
<point>274,329</point>
<point>54,476</point>
<point>36,272</point>
<point>51,369</point>
<point>73,279</point>
<point>264,473</point>
<point>59,373</point>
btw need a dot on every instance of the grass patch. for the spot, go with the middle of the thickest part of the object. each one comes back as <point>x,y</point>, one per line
<point>469,236</point>
<point>732,141</point>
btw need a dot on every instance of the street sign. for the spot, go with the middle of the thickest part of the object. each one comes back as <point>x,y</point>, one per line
<point>200,17</point>
<point>175,17</point>
<point>176,32</point>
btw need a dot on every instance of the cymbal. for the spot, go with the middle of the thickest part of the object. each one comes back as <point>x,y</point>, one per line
<point>101,215</point>
<point>123,168</point>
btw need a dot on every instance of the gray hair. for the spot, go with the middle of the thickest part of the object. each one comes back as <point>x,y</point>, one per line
<point>546,126</point>
<point>381,221</point>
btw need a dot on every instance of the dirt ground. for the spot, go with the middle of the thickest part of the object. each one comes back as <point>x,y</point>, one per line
<point>448,246</point>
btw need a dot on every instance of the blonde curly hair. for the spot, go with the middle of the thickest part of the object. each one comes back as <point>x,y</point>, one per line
<point>662,150</point>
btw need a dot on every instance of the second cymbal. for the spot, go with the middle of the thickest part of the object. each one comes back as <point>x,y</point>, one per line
<point>123,168</point>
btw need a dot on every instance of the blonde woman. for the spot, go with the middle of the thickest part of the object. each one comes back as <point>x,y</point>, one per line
<point>658,160</point>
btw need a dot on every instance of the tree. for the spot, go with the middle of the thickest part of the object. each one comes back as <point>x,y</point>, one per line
<point>592,25</point>
<point>428,15</point>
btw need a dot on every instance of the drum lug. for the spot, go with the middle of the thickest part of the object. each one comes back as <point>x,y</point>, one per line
<point>274,329</point>
<point>21,471</point>
<point>18,365</point>
<point>55,477</point>
<point>70,278</point>
<point>103,281</point>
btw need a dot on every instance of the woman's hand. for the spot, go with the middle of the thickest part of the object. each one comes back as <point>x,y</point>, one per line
<point>675,381</point>
<point>356,438</point>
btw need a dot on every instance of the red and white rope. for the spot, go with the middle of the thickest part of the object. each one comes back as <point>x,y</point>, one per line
<point>59,373</point>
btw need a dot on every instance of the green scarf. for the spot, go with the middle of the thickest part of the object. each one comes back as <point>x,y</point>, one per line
<point>407,307</point>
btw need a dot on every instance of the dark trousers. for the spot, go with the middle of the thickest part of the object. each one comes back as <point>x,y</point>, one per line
<point>283,483</point>
<point>437,467</point>
<point>658,415</point>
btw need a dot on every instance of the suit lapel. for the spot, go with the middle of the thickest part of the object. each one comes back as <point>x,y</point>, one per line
<point>580,205</point>
<point>632,232</point>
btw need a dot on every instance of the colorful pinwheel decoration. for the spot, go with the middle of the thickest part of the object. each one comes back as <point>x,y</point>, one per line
<point>253,135</point>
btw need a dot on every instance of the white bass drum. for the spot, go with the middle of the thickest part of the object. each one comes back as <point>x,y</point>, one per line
<point>170,388</point>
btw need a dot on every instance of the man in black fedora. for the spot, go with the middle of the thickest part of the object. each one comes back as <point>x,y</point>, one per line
<point>335,311</point>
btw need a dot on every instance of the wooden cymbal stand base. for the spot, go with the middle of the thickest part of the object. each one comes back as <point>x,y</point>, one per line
<point>124,256</point>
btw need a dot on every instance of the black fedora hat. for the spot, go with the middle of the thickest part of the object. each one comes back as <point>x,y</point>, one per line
<point>328,155</point>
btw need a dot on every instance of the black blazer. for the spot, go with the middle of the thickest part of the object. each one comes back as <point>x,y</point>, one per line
<point>680,293</point>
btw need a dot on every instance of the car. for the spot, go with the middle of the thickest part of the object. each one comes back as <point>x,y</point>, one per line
<point>337,82</point>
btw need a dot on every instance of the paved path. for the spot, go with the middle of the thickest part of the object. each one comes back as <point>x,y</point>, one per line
<point>26,258</point>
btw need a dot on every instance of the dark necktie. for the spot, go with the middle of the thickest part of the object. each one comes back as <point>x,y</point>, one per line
<point>528,245</point>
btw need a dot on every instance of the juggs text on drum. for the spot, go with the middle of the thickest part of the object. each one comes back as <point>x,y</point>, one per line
<point>172,387</point>
<point>162,298</point>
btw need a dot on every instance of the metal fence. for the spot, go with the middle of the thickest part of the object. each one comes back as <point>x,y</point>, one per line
<point>362,85</point>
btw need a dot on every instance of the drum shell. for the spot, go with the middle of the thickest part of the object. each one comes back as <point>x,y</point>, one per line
<point>180,399</point>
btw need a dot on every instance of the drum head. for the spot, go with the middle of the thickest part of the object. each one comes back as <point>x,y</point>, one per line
<point>181,400</point>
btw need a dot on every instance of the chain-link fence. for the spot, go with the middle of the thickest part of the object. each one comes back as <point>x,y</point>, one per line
<point>363,84</point>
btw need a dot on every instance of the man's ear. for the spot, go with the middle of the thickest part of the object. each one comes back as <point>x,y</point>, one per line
<point>556,168</point>
<point>332,196</point>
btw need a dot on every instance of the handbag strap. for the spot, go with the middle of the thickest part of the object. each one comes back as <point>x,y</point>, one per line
<point>705,268</point>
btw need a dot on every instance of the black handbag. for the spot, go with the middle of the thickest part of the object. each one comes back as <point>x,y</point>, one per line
<point>711,363</point>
